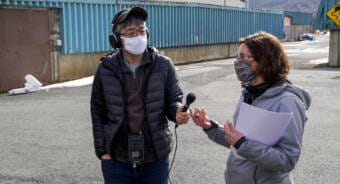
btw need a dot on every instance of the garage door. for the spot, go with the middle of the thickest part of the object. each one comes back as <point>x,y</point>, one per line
<point>24,47</point>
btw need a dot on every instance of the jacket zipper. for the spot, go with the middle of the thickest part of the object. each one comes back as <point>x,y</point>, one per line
<point>146,78</point>
<point>254,175</point>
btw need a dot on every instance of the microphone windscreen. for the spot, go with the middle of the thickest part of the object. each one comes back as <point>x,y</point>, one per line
<point>191,98</point>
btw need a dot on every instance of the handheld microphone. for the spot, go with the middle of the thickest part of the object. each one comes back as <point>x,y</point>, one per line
<point>190,99</point>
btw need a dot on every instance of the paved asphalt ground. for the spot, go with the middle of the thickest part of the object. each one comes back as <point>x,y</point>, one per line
<point>46,137</point>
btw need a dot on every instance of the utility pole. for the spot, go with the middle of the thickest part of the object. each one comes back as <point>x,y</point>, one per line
<point>334,41</point>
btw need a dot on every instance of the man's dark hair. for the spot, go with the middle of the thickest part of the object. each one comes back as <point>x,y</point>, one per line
<point>268,52</point>
<point>128,21</point>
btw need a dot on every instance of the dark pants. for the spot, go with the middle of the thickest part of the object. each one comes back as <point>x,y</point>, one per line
<point>116,172</point>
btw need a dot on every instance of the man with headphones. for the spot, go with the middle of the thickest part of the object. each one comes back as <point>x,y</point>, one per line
<point>135,92</point>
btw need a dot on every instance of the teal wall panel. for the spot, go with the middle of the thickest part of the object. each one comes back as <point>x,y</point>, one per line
<point>86,24</point>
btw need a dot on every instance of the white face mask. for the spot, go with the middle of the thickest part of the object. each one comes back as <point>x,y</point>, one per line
<point>135,45</point>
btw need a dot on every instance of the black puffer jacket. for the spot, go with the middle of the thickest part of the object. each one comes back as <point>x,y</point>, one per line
<point>161,96</point>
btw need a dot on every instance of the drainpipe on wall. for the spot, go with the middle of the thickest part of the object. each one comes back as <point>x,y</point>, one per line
<point>55,43</point>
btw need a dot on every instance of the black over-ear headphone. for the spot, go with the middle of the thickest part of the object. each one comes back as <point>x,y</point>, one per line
<point>114,37</point>
<point>115,40</point>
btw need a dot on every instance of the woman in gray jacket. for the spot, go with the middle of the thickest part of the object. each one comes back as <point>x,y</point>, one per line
<point>262,67</point>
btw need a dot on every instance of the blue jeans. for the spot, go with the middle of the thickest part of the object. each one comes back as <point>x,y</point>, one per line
<point>116,172</point>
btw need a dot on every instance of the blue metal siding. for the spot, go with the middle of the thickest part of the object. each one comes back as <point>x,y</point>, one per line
<point>86,24</point>
<point>322,20</point>
<point>300,18</point>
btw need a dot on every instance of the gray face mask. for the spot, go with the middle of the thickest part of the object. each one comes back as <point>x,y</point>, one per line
<point>244,71</point>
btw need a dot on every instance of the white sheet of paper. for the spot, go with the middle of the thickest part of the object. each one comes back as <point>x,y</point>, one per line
<point>261,125</point>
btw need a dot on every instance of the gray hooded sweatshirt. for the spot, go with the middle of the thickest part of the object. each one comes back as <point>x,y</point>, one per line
<point>264,164</point>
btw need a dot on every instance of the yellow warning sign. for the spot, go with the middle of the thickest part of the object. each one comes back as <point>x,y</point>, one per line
<point>334,13</point>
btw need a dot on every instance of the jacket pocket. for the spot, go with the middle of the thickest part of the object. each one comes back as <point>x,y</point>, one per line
<point>108,135</point>
<point>239,170</point>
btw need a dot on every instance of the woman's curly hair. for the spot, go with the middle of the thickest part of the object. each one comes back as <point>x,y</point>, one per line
<point>268,52</point>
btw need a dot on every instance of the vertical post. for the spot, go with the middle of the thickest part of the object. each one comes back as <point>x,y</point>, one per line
<point>55,48</point>
<point>334,48</point>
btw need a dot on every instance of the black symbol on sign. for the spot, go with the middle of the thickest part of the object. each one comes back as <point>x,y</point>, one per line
<point>337,8</point>
<point>336,12</point>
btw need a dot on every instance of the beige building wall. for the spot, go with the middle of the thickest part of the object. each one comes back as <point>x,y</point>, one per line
<point>74,66</point>
<point>287,21</point>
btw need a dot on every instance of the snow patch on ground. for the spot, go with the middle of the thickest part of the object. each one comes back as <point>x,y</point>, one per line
<point>74,83</point>
<point>319,61</point>
<point>308,50</point>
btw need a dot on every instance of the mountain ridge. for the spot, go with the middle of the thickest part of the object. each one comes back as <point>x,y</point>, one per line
<point>309,6</point>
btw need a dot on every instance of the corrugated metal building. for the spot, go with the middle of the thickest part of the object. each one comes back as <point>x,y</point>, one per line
<point>197,24</point>
<point>233,3</point>
<point>296,23</point>
<point>183,31</point>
